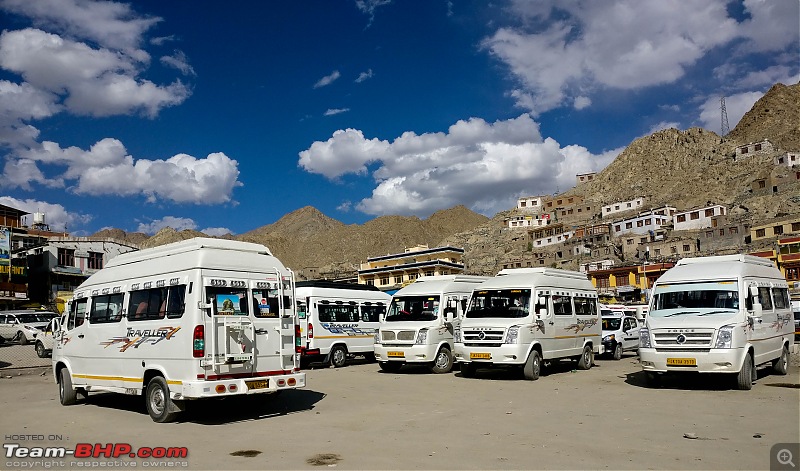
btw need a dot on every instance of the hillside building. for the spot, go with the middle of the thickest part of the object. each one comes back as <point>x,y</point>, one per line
<point>775,229</point>
<point>645,222</point>
<point>627,284</point>
<point>530,203</point>
<point>392,272</point>
<point>698,218</point>
<point>584,177</point>
<point>788,159</point>
<point>611,209</point>
<point>527,221</point>
<point>754,148</point>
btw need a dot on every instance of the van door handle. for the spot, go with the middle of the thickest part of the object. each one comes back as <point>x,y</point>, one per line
<point>80,336</point>
<point>261,331</point>
<point>551,322</point>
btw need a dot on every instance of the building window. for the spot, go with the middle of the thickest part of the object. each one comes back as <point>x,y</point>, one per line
<point>629,242</point>
<point>709,212</point>
<point>687,247</point>
<point>398,279</point>
<point>673,249</point>
<point>722,232</point>
<point>66,257</point>
<point>681,218</point>
<point>602,282</point>
<point>793,274</point>
<point>640,223</point>
<point>384,280</point>
<point>95,260</point>
<point>647,222</point>
<point>521,204</point>
<point>796,227</point>
<point>622,280</point>
<point>733,230</point>
<point>695,215</point>
<point>371,282</point>
<point>628,225</point>
<point>629,205</point>
<point>658,252</point>
<point>777,230</point>
<point>429,273</point>
<point>757,147</point>
<point>762,184</point>
<point>617,228</point>
<point>709,234</point>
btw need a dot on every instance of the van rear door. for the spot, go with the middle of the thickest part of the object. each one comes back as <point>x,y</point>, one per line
<point>273,317</point>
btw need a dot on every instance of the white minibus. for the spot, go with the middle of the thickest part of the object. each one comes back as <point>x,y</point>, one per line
<point>418,328</point>
<point>194,319</point>
<point>336,319</point>
<point>721,314</point>
<point>526,316</point>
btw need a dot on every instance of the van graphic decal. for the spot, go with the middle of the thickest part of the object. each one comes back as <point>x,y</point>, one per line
<point>581,325</point>
<point>782,321</point>
<point>347,329</point>
<point>136,337</point>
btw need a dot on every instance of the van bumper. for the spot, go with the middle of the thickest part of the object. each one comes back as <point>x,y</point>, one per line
<point>715,360</point>
<point>405,353</point>
<point>506,354</point>
<point>237,386</point>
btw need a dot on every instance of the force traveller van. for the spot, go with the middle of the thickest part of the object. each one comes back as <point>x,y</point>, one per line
<point>337,319</point>
<point>418,327</point>
<point>525,316</point>
<point>193,319</point>
<point>723,314</point>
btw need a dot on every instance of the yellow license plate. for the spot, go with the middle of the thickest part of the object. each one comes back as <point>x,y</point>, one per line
<point>681,362</point>
<point>480,356</point>
<point>260,384</point>
<point>396,354</point>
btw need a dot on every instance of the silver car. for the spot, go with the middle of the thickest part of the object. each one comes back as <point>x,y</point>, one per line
<point>24,326</point>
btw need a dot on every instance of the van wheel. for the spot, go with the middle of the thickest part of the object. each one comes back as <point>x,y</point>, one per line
<point>468,370</point>
<point>338,356</point>
<point>780,364</point>
<point>533,366</point>
<point>390,366</point>
<point>443,362</point>
<point>586,358</point>
<point>159,404</point>
<point>66,393</point>
<point>744,380</point>
<point>40,350</point>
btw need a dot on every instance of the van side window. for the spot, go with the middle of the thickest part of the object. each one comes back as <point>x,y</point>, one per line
<point>106,308</point>
<point>337,312</point>
<point>585,307</point>
<point>77,314</point>
<point>562,305</point>
<point>157,303</point>
<point>765,298</point>
<point>372,312</point>
<point>780,296</point>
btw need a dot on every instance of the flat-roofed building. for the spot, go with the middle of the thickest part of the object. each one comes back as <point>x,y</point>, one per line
<point>393,271</point>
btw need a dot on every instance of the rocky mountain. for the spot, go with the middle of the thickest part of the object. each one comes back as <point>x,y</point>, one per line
<point>685,169</point>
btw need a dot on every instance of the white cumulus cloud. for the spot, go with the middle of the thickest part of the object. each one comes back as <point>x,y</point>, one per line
<point>56,216</point>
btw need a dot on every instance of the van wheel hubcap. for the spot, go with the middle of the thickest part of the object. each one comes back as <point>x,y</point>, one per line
<point>157,401</point>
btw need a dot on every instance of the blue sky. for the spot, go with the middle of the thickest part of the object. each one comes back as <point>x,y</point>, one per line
<point>225,117</point>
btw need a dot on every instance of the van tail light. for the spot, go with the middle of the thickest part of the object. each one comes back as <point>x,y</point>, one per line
<point>310,330</point>
<point>199,342</point>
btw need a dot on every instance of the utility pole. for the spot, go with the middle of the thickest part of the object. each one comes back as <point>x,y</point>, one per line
<point>726,129</point>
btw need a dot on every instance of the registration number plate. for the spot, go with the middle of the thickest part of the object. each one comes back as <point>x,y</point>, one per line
<point>480,356</point>
<point>259,384</point>
<point>396,354</point>
<point>681,362</point>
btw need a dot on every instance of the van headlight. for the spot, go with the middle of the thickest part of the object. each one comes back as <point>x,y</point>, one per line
<point>457,335</point>
<point>378,337</point>
<point>512,334</point>
<point>422,337</point>
<point>724,337</point>
<point>644,338</point>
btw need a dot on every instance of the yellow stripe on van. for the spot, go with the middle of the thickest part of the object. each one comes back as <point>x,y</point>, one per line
<point>121,378</point>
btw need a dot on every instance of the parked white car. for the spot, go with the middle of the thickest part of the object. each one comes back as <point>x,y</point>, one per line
<point>45,340</point>
<point>23,326</point>
<point>620,335</point>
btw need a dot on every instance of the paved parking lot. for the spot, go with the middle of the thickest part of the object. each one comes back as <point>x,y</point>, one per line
<point>357,417</point>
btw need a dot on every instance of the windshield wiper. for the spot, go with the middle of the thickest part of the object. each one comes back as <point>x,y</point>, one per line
<point>681,313</point>
<point>727,311</point>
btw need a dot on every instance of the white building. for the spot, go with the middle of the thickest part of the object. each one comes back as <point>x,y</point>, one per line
<point>527,221</point>
<point>552,239</point>
<point>788,159</point>
<point>596,265</point>
<point>698,218</point>
<point>754,148</point>
<point>613,208</point>
<point>530,203</point>
<point>645,222</point>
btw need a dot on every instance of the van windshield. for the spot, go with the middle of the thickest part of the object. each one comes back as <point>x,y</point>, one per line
<point>699,299</point>
<point>413,308</point>
<point>504,303</point>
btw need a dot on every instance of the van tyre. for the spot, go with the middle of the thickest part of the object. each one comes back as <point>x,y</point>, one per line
<point>468,370</point>
<point>41,352</point>
<point>390,366</point>
<point>744,380</point>
<point>533,366</point>
<point>617,355</point>
<point>586,358</point>
<point>159,403</point>
<point>780,365</point>
<point>66,393</point>
<point>338,356</point>
<point>443,362</point>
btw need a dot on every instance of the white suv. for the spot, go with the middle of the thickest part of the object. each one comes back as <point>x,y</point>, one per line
<point>45,340</point>
<point>23,326</point>
<point>620,334</point>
